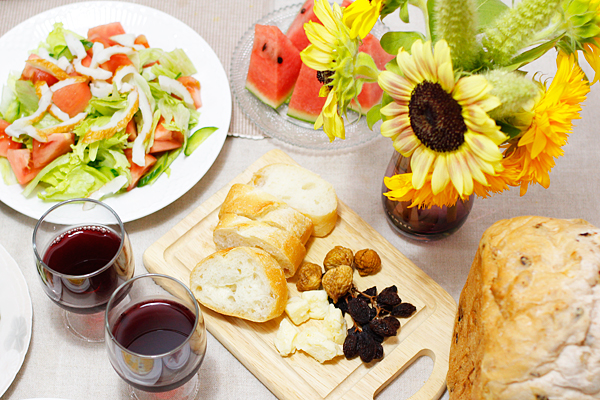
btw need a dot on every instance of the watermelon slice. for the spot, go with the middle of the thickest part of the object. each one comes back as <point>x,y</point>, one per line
<point>371,93</point>
<point>305,103</point>
<point>274,66</point>
<point>306,13</point>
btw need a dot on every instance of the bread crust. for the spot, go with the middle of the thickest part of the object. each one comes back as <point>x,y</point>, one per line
<point>528,320</point>
<point>234,230</point>
<point>287,190</point>
<point>256,204</point>
<point>269,267</point>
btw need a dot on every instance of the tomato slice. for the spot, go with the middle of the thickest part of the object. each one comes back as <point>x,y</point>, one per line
<point>136,171</point>
<point>141,39</point>
<point>58,144</point>
<point>193,86</point>
<point>131,130</point>
<point>37,75</point>
<point>72,99</point>
<point>20,162</point>
<point>116,61</point>
<point>6,141</point>
<point>103,33</point>
<point>165,139</point>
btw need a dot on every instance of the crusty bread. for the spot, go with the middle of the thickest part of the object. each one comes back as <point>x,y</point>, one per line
<point>235,230</point>
<point>243,282</point>
<point>303,190</point>
<point>254,203</point>
<point>528,321</point>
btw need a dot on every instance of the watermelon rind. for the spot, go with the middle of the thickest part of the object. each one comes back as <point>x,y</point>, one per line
<point>273,103</point>
<point>302,116</point>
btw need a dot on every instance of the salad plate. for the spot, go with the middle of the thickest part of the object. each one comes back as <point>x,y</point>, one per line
<point>15,319</point>
<point>162,31</point>
<point>276,123</point>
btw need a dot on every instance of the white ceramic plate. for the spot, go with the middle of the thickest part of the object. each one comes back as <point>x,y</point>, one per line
<point>163,31</point>
<point>15,319</point>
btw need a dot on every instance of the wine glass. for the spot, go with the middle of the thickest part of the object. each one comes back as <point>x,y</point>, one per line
<point>83,254</point>
<point>155,337</point>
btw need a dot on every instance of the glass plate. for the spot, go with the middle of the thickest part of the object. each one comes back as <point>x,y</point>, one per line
<point>276,123</point>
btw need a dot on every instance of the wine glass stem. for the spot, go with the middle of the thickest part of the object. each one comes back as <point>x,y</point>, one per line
<point>187,391</point>
<point>87,327</point>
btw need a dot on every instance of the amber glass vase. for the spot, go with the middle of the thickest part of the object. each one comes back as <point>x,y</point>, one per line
<point>423,224</point>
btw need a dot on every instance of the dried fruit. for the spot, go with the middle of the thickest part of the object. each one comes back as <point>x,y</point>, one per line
<point>385,327</point>
<point>403,310</point>
<point>350,350</point>
<point>309,277</point>
<point>359,310</point>
<point>389,297</point>
<point>337,282</point>
<point>338,256</point>
<point>366,347</point>
<point>367,262</point>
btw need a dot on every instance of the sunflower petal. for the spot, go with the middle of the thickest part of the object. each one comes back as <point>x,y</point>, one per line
<point>455,172</point>
<point>440,177</point>
<point>396,86</point>
<point>483,147</point>
<point>420,163</point>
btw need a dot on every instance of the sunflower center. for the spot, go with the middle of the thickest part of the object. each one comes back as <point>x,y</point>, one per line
<point>436,118</point>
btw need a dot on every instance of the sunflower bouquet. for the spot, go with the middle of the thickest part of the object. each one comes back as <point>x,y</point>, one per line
<point>457,100</point>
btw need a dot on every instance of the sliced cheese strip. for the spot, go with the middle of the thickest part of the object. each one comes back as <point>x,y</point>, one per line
<point>49,67</point>
<point>58,113</point>
<point>24,125</point>
<point>121,77</point>
<point>75,46</point>
<point>105,54</point>
<point>94,73</point>
<point>175,87</point>
<point>65,126</point>
<point>126,39</point>
<point>68,82</point>
<point>138,153</point>
<point>117,122</point>
<point>100,89</point>
<point>110,187</point>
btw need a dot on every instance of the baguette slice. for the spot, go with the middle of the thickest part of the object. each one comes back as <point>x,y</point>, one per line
<point>256,204</point>
<point>235,230</point>
<point>243,282</point>
<point>303,190</point>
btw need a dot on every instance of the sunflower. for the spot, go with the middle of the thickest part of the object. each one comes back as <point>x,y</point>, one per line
<point>361,16</point>
<point>334,53</point>
<point>441,123</point>
<point>542,142</point>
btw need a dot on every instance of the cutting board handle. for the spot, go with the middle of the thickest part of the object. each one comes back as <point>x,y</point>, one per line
<point>436,383</point>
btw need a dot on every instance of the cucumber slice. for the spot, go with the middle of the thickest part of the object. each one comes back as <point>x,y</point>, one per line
<point>197,138</point>
<point>161,165</point>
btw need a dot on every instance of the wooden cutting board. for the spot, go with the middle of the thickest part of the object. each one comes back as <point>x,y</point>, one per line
<point>428,332</point>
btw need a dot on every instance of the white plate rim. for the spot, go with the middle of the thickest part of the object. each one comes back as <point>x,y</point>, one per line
<point>216,96</point>
<point>14,281</point>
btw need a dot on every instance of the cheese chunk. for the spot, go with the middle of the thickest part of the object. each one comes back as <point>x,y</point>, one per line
<point>297,309</point>
<point>334,325</point>
<point>314,343</point>
<point>317,302</point>
<point>286,335</point>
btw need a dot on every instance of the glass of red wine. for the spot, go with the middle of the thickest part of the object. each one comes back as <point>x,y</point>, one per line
<point>83,254</point>
<point>156,338</point>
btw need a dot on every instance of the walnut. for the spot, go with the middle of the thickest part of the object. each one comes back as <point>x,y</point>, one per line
<point>367,262</point>
<point>337,281</point>
<point>309,277</point>
<point>338,256</point>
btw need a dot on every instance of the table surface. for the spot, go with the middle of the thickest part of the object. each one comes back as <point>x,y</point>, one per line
<point>60,366</point>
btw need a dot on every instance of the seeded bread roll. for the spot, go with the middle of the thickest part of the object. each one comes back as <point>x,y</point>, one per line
<point>254,203</point>
<point>303,190</point>
<point>243,282</point>
<point>235,230</point>
<point>528,321</point>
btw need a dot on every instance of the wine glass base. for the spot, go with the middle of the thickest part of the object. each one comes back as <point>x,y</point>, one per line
<point>87,327</point>
<point>187,391</point>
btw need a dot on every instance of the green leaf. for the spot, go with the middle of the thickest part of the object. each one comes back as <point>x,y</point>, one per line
<point>393,41</point>
<point>197,138</point>
<point>577,7</point>
<point>510,130</point>
<point>373,115</point>
<point>390,6</point>
<point>431,18</point>
<point>488,11</point>
<point>530,55</point>
<point>404,13</point>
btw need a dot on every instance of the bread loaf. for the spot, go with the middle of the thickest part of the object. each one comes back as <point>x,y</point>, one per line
<point>528,321</point>
<point>235,230</point>
<point>256,204</point>
<point>242,282</point>
<point>303,190</point>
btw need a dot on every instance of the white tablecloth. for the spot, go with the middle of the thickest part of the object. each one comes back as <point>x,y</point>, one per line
<point>60,366</point>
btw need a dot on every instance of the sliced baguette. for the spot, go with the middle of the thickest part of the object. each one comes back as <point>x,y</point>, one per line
<point>303,190</point>
<point>235,230</point>
<point>256,204</point>
<point>243,282</point>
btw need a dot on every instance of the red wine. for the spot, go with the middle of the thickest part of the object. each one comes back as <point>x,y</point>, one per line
<point>154,327</point>
<point>82,250</point>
